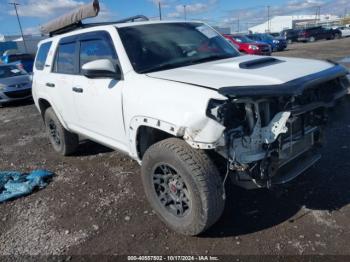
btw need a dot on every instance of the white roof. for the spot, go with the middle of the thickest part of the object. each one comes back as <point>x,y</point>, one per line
<point>153,22</point>
<point>120,25</point>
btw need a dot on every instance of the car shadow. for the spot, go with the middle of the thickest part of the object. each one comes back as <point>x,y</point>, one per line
<point>252,211</point>
<point>90,148</point>
<point>324,187</point>
<point>281,51</point>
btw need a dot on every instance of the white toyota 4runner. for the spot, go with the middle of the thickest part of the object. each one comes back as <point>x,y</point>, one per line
<point>184,103</point>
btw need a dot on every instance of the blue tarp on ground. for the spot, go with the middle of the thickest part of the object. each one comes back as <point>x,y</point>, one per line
<point>15,184</point>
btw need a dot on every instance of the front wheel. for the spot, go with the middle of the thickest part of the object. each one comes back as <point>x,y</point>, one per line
<point>183,186</point>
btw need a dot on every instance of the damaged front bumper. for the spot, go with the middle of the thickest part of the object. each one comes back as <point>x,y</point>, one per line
<point>273,134</point>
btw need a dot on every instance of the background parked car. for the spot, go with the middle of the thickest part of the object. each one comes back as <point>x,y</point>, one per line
<point>317,33</point>
<point>24,61</point>
<point>15,83</point>
<point>291,35</point>
<point>277,44</point>
<point>345,31</point>
<point>248,46</point>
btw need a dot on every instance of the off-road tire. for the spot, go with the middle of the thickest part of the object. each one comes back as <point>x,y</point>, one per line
<point>202,180</point>
<point>68,141</point>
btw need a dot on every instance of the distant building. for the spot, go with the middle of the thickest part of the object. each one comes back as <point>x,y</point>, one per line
<point>8,38</point>
<point>279,23</point>
<point>222,30</point>
<point>6,46</point>
<point>31,42</point>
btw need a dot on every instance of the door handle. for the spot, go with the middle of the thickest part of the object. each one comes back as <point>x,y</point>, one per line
<point>78,90</point>
<point>50,84</point>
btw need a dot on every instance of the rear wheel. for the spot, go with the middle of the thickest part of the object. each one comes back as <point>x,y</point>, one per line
<point>337,36</point>
<point>63,141</point>
<point>183,186</point>
<point>312,39</point>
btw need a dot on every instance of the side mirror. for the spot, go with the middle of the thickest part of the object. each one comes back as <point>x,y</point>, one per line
<point>102,68</point>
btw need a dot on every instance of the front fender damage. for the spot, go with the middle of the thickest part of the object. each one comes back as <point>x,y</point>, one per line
<point>205,134</point>
<point>271,139</point>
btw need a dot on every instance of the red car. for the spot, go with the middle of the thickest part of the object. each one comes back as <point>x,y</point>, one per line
<point>248,46</point>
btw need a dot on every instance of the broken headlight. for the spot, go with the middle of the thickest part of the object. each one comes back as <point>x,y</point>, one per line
<point>214,109</point>
<point>228,113</point>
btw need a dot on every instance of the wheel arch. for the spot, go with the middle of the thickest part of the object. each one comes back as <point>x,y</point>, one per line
<point>205,135</point>
<point>44,104</point>
<point>145,132</point>
<point>148,136</point>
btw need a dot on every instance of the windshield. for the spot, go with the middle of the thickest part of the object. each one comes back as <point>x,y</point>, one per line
<point>242,39</point>
<point>157,47</point>
<point>10,71</point>
<point>267,37</point>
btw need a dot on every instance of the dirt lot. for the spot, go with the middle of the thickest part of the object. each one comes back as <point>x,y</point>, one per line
<point>96,205</point>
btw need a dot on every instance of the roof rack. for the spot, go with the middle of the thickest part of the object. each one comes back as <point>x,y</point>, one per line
<point>73,20</point>
<point>135,18</point>
<point>80,25</point>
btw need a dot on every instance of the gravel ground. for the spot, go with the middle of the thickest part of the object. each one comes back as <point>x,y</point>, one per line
<point>96,205</point>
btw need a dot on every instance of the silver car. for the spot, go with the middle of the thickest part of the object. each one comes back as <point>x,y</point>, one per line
<point>15,84</point>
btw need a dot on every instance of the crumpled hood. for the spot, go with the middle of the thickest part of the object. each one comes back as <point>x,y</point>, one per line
<point>227,72</point>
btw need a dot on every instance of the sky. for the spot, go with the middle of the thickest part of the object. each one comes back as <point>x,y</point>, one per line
<point>34,13</point>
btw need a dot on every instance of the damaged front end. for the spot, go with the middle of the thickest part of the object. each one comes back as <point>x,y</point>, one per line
<point>273,132</point>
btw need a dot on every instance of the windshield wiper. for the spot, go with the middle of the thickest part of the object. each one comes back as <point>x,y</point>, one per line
<point>161,67</point>
<point>210,58</point>
<point>167,66</point>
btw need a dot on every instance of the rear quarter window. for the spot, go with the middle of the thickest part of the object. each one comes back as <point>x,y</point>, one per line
<point>42,55</point>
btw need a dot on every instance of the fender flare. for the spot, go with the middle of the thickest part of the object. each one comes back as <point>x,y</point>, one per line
<point>59,116</point>
<point>177,131</point>
<point>139,121</point>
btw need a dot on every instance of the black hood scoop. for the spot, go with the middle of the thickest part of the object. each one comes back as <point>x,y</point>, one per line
<point>258,63</point>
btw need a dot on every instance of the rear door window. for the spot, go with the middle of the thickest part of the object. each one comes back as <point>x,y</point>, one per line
<point>42,55</point>
<point>65,62</point>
